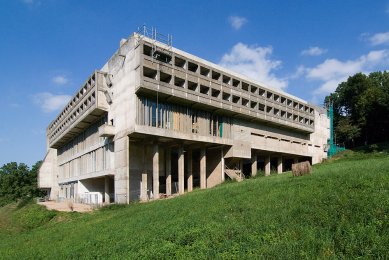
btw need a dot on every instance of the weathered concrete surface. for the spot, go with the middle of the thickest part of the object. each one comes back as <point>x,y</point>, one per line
<point>154,127</point>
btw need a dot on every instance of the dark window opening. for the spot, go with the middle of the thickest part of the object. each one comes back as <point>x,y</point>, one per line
<point>161,56</point>
<point>261,107</point>
<point>192,85</point>
<point>253,89</point>
<point>226,79</point>
<point>165,77</point>
<point>289,102</point>
<point>235,99</point>
<point>192,66</point>
<point>149,73</point>
<point>253,104</point>
<point>283,113</point>
<point>179,82</point>
<point>245,86</point>
<point>215,75</point>
<point>215,93</point>
<point>226,96</point>
<point>236,82</point>
<point>245,102</point>
<point>204,71</point>
<point>147,50</point>
<point>178,62</point>
<point>204,89</point>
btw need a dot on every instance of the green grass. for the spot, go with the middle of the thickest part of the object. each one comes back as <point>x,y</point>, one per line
<point>340,211</point>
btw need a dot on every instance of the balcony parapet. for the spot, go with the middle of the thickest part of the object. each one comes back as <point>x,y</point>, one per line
<point>106,131</point>
<point>84,108</point>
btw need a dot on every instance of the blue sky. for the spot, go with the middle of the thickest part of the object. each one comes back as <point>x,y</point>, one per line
<point>49,47</point>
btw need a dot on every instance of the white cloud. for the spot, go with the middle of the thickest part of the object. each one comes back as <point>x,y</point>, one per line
<point>333,71</point>
<point>300,71</point>
<point>49,102</point>
<point>379,38</point>
<point>255,63</point>
<point>237,22</point>
<point>60,80</point>
<point>313,51</point>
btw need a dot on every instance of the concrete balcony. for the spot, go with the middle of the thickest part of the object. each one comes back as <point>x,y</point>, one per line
<point>106,131</point>
<point>86,106</point>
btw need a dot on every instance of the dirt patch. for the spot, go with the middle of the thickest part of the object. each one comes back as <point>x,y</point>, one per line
<point>65,206</point>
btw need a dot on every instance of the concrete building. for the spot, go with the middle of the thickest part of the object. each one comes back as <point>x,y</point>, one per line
<point>157,121</point>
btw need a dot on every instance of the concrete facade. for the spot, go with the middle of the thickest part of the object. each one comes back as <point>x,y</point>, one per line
<point>157,121</point>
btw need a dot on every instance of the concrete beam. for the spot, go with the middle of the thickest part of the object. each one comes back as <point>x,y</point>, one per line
<point>168,173</point>
<point>267,165</point>
<point>156,171</point>
<point>203,165</point>
<point>181,184</point>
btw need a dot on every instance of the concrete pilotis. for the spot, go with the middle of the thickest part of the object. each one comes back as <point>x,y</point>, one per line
<point>267,165</point>
<point>203,163</point>
<point>181,184</point>
<point>279,165</point>
<point>143,192</point>
<point>156,171</point>
<point>253,164</point>
<point>106,189</point>
<point>168,163</point>
<point>223,164</point>
<point>190,171</point>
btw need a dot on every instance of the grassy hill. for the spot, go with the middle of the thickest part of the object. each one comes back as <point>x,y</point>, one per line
<point>341,210</point>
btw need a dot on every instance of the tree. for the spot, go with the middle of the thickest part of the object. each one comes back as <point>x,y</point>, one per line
<point>346,131</point>
<point>17,181</point>
<point>361,108</point>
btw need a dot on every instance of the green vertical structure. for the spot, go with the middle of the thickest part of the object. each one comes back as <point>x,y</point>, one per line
<point>333,148</point>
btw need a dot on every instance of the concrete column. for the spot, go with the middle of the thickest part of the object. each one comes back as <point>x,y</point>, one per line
<point>143,191</point>
<point>267,165</point>
<point>168,163</point>
<point>156,171</point>
<point>253,164</point>
<point>203,165</point>
<point>181,179</point>
<point>279,165</point>
<point>106,190</point>
<point>223,164</point>
<point>190,171</point>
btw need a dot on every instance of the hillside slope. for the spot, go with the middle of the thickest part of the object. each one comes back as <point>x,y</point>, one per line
<point>340,210</point>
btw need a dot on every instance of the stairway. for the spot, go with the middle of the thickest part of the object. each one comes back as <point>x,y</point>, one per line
<point>234,174</point>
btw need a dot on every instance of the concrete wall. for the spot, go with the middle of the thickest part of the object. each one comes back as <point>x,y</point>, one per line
<point>48,172</point>
<point>214,167</point>
<point>132,159</point>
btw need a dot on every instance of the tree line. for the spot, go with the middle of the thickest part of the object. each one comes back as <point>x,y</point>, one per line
<point>361,109</point>
<point>18,181</point>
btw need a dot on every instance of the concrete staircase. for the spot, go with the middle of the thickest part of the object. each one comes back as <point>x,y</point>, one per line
<point>234,174</point>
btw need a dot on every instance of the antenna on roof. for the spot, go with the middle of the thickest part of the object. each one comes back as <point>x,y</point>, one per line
<point>159,53</point>
<point>156,36</point>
